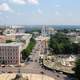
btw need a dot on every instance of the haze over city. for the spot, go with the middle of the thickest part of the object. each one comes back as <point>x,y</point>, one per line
<point>33,12</point>
<point>39,40</point>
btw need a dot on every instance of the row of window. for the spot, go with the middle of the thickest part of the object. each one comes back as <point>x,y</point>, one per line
<point>5,62</point>
<point>8,53</point>
<point>8,57</point>
<point>8,49</point>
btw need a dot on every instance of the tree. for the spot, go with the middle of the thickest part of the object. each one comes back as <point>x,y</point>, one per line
<point>9,41</point>
<point>77,69</point>
<point>76,47</point>
<point>26,52</point>
<point>60,44</point>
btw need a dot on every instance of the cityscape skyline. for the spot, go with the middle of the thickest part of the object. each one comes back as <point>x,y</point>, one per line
<point>36,12</point>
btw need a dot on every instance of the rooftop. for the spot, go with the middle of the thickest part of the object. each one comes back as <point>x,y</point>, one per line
<point>19,34</point>
<point>11,44</point>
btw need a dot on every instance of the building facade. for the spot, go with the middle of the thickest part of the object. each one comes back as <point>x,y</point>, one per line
<point>47,31</point>
<point>2,39</point>
<point>10,53</point>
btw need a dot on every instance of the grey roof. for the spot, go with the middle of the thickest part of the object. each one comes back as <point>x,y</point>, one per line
<point>10,44</point>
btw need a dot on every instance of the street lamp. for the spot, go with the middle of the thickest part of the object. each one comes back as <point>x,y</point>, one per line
<point>42,74</point>
<point>30,76</point>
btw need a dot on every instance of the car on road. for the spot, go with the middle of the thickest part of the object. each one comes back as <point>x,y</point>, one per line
<point>31,60</point>
<point>3,72</point>
<point>17,65</point>
<point>57,75</point>
<point>10,72</point>
<point>3,66</point>
<point>42,72</point>
<point>35,60</point>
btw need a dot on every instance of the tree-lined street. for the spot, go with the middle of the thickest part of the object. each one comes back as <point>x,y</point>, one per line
<point>32,66</point>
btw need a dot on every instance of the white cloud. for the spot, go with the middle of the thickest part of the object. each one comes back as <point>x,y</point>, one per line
<point>26,1</point>
<point>4,7</point>
<point>33,1</point>
<point>20,1</point>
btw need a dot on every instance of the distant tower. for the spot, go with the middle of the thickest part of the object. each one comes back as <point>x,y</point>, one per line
<point>43,31</point>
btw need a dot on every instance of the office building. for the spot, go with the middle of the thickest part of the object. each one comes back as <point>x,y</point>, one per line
<point>10,53</point>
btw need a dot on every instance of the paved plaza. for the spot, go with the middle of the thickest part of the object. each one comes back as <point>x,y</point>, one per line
<point>30,77</point>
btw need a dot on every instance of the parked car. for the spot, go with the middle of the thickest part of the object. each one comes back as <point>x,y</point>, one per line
<point>10,72</point>
<point>3,66</point>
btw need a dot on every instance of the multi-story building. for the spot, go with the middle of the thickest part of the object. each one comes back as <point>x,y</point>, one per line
<point>47,31</point>
<point>10,37</point>
<point>10,53</point>
<point>9,31</point>
<point>19,37</point>
<point>50,31</point>
<point>2,39</point>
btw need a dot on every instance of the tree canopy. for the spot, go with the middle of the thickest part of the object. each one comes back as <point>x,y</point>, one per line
<point>77,69</point>
<point>60,44</point>
<point>9,41</point>
<point>26,52</point>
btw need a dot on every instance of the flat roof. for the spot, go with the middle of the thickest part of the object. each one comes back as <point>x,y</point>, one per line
<point>27,34</point>
<point>42,38</point>
<point>10,44</point>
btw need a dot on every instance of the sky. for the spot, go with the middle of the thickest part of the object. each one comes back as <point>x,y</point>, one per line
<point>40,12</point>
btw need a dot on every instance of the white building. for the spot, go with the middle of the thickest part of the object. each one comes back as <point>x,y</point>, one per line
<point>20,37</point>
<point>68,61</point>
<point>47,31</point>
<point>9,31</point>
<point>51,31</point>
<point>10,53</point>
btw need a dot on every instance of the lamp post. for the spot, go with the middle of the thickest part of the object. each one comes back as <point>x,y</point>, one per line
<point>42,75</point>
<point>30,76</point>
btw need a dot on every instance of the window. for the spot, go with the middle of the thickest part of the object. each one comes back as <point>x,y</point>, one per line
<point>14,57</point>
<point>11,54</point>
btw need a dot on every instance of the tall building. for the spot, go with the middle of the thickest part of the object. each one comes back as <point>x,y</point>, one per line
<point>43,31</point>
<point>19,37</point>
<point>10,53</point>
<point>50,31</point>
<point>9,31</point>
<point>47,31</point>
<point>2,39</point>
